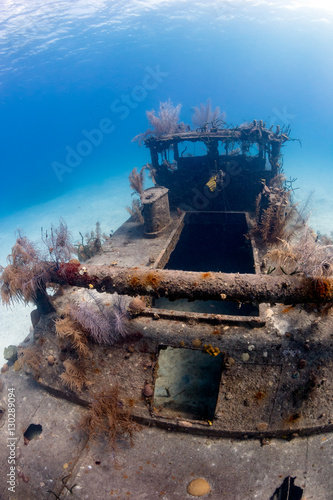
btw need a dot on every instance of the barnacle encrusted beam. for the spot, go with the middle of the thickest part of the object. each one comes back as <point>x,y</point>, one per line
<point>250,288</point>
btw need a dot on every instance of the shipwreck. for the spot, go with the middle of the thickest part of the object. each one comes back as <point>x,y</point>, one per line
<point>208,311</point>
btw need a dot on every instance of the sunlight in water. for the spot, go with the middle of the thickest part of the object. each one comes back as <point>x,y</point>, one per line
<point>313,4</point>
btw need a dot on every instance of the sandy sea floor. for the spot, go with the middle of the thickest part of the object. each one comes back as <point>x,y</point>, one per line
<point>80,210</point>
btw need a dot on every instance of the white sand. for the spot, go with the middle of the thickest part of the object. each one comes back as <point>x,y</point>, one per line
<point>107,204</point>
<point>321,207</point>
<point>81,210</point>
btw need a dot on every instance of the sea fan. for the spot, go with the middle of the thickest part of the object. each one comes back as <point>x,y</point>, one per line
<point>25,277</point>
<point>59,243</point>
<point>28,272</point>
<point>120,317</point>
<point>104,324</point>
<point>137,179</point>
<point>93,320</point>
<point>204,115</point>
<point>167,121</point>
<point>91,243</point>
<point>135,210</point>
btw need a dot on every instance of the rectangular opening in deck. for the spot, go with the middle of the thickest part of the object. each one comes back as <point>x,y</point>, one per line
<point>212,241</point>
<point>187,383</point>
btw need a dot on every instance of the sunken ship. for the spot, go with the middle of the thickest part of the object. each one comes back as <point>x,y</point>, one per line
<point>202,313</point>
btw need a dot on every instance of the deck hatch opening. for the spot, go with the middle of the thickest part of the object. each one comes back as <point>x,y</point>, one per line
<point>32,432</point>
<point>187,383</point>
<point>216,242</point>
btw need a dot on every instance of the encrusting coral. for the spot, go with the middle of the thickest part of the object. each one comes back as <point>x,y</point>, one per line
<point>136,306</point>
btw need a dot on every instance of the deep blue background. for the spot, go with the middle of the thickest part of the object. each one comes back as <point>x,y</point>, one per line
<point>64,64</point>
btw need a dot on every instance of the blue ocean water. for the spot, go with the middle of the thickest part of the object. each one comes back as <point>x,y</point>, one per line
<point>71,69</point>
